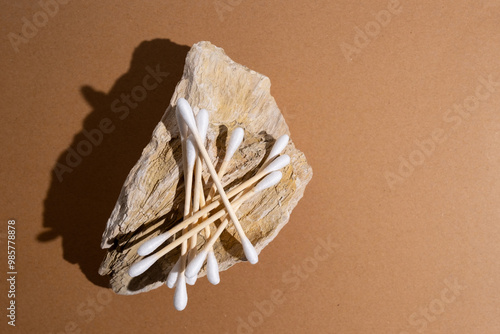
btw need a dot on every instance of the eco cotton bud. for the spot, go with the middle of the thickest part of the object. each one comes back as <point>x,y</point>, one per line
<point>183,128</point>
<point>212,268</point>
<point>202,123</point>
<point>234,142</point>
<point>194,267</point>
<point>140,267</point>
<point>278,163</point>
<point>190,151</point>
<point>269,181</point>
<point>149,246</point>
<point>186,112</point>
<point>191,280</point>
<point>278,146</point>
<point>173,274</point>
<point>249,250</point>
<point>180,295</point>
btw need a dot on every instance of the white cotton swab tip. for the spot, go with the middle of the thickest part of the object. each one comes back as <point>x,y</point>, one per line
<point>183,128</point>
<point>180,295</point>
<point>277,163</point>
<point>149,246</point>
<point>194,267</point>
<point>191,152</point>
<point>202,123</point>
<point>212,268</point>
<point>278,146</point>
<point>138,268</point>
<point>234,142</point>
<point>191,280</point>
<point>269,181</point>
<point>186,112</point>
<point>249,250</point>
<point>173,274</point>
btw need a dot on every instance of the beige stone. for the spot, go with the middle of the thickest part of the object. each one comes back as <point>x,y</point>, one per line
<point>151,199</point>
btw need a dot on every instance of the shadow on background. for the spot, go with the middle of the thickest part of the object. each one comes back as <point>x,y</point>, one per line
<point>89,174</point>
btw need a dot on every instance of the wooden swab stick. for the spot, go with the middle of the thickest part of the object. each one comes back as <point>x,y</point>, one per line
<point>194,199</point>
<point>202,124</point>
<point>180,295</point>
<point>278,147</point>
<point>157,241</point>
<point>140,267</point>
<point>196,206</point>
<point>248,248</point>
<point>150,245</point>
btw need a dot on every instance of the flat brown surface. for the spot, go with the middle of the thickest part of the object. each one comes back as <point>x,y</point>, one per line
<point>402,130</point>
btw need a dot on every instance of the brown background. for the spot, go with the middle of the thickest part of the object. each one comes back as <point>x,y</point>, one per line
<point>397,247</point>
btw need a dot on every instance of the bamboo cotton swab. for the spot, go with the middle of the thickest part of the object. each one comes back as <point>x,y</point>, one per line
<point>180,295</point>
<point>147,247</point>
<point>140,267</point>
<point>157,241</point>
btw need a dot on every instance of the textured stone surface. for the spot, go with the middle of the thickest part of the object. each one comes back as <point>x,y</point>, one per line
<point>151,199</point>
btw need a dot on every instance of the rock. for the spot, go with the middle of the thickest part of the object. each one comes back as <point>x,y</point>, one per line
<point>152,196</point>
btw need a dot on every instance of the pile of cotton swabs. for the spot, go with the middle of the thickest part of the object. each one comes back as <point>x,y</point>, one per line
<point>200,211</point>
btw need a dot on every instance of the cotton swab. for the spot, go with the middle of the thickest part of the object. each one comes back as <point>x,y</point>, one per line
<point>278,147</point>
<point>276,164</point>
<point>212,268</point>
<point>248,248</point>
<point>154,243</point>
<point>234,142</point>
<point>172,279</point>
<point>140,267</point>
<point>180,295</point>
<point>195,265</point>
<point>190,159</point>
